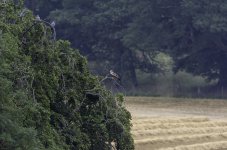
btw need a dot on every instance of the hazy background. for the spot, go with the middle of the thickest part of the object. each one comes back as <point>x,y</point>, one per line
<point>158,47</point>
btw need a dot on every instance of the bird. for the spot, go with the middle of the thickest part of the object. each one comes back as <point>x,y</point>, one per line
<point>53,24</point>
<point>115,75</point>
<point>37,18</point>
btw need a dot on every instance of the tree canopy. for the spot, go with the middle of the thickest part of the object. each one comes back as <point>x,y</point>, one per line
<point>127,34</point>
<point>48,98</point>
<point>98,28</point>
<point>193,32</point>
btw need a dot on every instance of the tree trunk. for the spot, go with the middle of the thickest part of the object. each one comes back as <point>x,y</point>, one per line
<point>129,68</point>
<point>133,74</point>
<point>223,78</point>
<point>223,74</point>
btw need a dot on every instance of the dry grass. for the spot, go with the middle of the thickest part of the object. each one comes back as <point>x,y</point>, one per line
<point>178,124</point>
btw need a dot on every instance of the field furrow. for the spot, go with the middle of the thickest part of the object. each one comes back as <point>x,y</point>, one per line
<point>179,125</point>
<point>137,121</point>
<point>139,134</point>
<point>171,141</point>
<point>220,145</point>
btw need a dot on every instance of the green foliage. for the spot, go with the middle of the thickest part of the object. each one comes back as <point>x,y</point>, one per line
<point>48,98</point>
<point>181,84</point>
<point>126,35</point>
<point>205,52</point>
<point>192,31</point>
<point>100,30</point>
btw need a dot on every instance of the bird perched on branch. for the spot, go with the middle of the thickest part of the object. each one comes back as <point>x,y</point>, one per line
<point>115,75</point>
<point>37,18</point>
<point>53,24</point>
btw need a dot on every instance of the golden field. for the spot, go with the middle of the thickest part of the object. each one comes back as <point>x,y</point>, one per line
<point>178,124</point>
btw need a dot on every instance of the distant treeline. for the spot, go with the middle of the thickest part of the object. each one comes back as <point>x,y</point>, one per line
<point>128,35</point>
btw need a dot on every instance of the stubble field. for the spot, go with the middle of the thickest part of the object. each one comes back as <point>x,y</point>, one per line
<point>178,124</point>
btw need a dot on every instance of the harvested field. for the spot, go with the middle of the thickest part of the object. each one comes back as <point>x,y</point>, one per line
<point>178,124</point>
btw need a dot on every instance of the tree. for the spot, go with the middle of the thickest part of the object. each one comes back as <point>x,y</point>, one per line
<point>193,32</point>
<point>47,93</point>
<point>98,29</point>
<point>128,35</point>
<point>206,41</point>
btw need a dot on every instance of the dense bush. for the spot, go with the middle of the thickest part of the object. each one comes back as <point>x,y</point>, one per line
<point>48,98</point>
